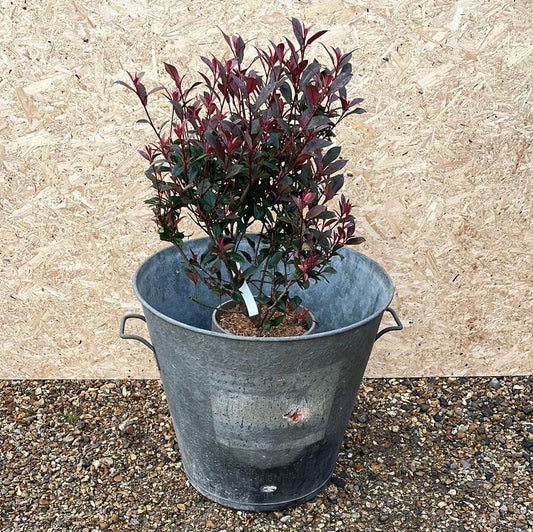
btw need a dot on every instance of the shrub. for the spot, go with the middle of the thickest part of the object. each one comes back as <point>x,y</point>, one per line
<point>250,147</point>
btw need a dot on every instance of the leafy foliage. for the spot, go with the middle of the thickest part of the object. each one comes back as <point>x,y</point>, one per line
<point>251,144</point>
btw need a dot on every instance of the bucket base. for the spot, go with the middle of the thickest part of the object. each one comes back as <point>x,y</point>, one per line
<point>262,507</point>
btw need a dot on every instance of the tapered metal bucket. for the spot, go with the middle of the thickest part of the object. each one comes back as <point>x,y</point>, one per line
<point>260,421</point>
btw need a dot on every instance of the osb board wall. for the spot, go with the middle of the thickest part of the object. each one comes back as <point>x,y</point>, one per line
<point>440,171</point>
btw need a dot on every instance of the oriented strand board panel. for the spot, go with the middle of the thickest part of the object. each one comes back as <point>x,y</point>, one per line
<point>440,171</point>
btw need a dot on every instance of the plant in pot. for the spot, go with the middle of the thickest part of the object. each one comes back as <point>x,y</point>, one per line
<point>260,330</point>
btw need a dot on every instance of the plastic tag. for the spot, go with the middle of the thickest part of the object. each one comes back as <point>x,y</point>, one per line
<point>249,300</point>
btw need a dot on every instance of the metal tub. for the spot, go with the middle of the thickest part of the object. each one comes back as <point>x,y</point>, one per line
<point>260,421</point>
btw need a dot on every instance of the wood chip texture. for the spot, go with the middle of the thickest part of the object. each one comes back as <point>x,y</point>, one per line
<point>439,171</point>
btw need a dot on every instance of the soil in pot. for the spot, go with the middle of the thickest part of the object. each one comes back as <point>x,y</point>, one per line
<point>239,324</point>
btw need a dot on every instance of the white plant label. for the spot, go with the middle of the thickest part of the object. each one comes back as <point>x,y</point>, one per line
<point>249,300</point>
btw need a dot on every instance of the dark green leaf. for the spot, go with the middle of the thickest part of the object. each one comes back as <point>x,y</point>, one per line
<point>233,170</point>
<point>263,300</point>
<point>176,201</point>
<point>259,212</point>
<point>335,166</point>
<point>177,238</point>
<point>273,139</point>
<point>331,155</point>
<point>340,82</point>
<point>203,187</point>
<point>274,259</point>
<point>327,215</point>
<point>277,320</point>
<point>234,256</point>
<point>263,253</point>
<point>237,297</point>
<point>264,94</point>
<point>246,255</point>
<point>311,69</point>
<point>208,199</point>
<point>296,301</point>
<point>207,258</point>
<point>285,219</point>
<point>156,202</point>
<point>249,272</point>
<point>357,111</point>
<point>316,145</point>
<point>177,170</point>
<point>286,92</point>
<point>336,183</point>
<point>354,241</point>
<point>268,324</point>
<point>319,120</point>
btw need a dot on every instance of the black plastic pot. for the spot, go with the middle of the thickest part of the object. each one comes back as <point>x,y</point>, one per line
<point>217,327</point>
<point>260,421</point>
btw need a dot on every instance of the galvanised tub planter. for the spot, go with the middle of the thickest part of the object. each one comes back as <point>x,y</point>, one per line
<point>260,421</point>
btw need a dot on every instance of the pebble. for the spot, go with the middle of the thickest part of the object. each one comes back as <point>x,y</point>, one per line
<point>495,384</point>
<point>339,482</point>
<point>94,475</point>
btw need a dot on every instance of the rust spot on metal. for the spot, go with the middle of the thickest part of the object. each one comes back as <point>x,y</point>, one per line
<point>297,413</point>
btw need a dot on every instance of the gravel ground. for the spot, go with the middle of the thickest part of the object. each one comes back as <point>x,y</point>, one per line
<point>419,454</point>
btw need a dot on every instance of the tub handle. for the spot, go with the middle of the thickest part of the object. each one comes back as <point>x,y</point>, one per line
<point>134,336</point>
<point>397,327</point>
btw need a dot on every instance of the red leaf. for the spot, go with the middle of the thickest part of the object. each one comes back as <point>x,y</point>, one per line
<point>156,89</point>
<point>311,91</point>
<point>141,92</point>
<point>226,36</point>
<point>251,84</point>
<point>315,211</point>
<point>125,85</point>
<point>173,72</point>
<point>298,30</point>
<point>136,77</point>
<point>316,36</point>
<point>238,47</point>
<point>298,202</point>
